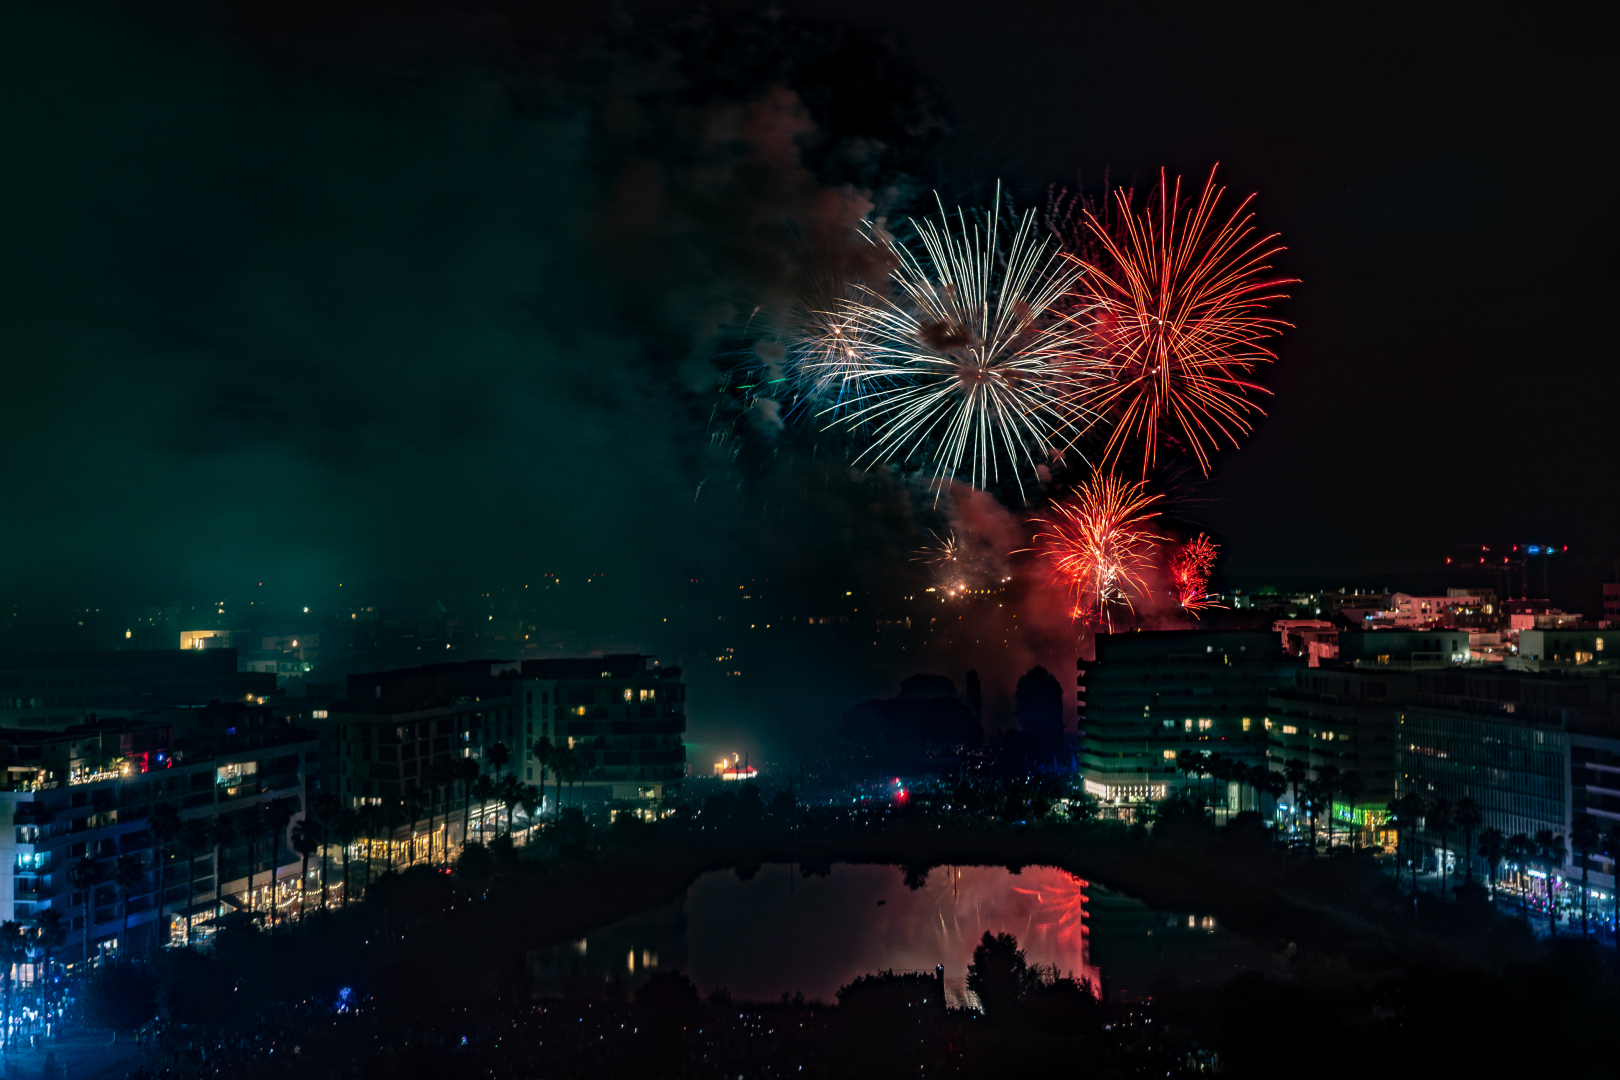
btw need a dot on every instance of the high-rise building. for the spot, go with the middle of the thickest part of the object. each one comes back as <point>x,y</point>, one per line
<point>1149,696</point>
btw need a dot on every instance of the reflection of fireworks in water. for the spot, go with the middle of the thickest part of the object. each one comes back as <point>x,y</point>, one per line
<point>1174,305</point>
<point>968,359</point>
<point>1062,914</point>
<point>1190,567</point>
<point>1100,543</point>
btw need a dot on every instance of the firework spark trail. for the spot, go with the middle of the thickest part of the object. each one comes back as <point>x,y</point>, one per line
<point>1174,306</point>
<point>968,354</point>
<point>1190,566</point>
<point>1100,543</point>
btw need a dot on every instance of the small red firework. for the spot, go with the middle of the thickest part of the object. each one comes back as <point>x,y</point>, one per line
<point>1173,301</point>
<point>1190,567</point>
<point>1100,542</point>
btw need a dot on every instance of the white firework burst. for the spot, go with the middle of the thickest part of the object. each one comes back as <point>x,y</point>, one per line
<point>829,349</point>
<point>966,364</point>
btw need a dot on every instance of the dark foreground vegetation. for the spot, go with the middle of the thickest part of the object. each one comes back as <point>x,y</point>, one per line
<point>429,975</point>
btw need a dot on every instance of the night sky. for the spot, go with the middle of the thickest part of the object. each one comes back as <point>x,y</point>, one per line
<point>433,300</point>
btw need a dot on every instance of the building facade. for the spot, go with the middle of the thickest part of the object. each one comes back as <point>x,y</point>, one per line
<point>1149,696</point>
<point>622,717</point>
<point>89,792</point>
<point>1526,747</point>
<point>1346,718</point>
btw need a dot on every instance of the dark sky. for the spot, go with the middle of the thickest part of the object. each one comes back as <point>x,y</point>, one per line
<point>1442,178</point>
<point>431,300</point>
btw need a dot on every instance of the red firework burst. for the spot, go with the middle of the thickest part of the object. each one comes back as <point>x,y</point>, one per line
<point>1173,300</point>
<point>1100,542</point>
<point>1190,567</point>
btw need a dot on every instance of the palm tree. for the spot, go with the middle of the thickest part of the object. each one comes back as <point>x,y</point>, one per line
<point>438,777</point>
<point>193,841</point>
<point>1271,782</point>
<point>1442,818</point>
<point>1329,777</point>
<point>13,951</point>
<point>533,799</point>
<point>1468,817</point>
<point>1586,839</point>
<point>1350,786</point>
<point>251,825</point>
<point>511,794</point>
<point>52,931</point>
<point>1550,850</point>
<point>1316,798</point>
<point>1220,770</point>
<point>413,811</point>
<point>306,840</point>
<point>1492,848</point>
<point>368,826</point>
<point>391,815</point>
<point>343,827</point>
<point>85,875</point>
<point>1520,850</point>
<point>484,789</point>
<point>467,773</point>
<point>576,765</point>
<point>497,756</point>
<point>128,873</point>
<point>277,813</point>
<point>543,753</point>
<point>1407,811</point>
<point>164,825</point>
<point>559,755</point>
<point>1295,772</point>
<point>222,834</point>
<point>327,806</point>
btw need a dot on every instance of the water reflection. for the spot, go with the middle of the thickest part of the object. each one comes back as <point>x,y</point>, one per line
<point>781,932</point>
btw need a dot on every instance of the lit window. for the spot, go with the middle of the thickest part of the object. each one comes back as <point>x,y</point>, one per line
<point>1189,724</point>
<point>1246,723</point>
<point>1205,724</point>
<point>1169,755</point>
<point>1290,729</point>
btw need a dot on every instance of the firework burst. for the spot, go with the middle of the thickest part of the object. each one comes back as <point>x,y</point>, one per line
<point>1190,566</point>
<point>828,348</point>
<point>1173,301</point>
<point>1100,542</point>
<point>965,365</point>
<point>959,568</point>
